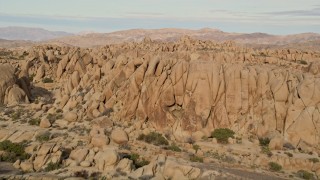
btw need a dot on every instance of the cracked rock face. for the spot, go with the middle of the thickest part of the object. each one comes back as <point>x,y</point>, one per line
<point>10,91</point>
<point>90,107</point>
<point>190,86</point>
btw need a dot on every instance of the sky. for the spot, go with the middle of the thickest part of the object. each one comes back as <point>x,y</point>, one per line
<point>247,16</point>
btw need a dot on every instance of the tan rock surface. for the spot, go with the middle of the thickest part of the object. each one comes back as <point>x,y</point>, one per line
<point>119,136</point>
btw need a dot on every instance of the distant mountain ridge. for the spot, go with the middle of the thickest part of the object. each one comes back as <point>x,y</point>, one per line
<point>88,39</point>
<point>32,34</point>
<point>15,43</point>
<point>171,34</point>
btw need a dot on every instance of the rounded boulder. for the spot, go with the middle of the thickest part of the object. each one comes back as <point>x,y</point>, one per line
<point>119,136</point>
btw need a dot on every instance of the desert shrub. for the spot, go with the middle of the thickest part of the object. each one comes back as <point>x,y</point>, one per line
<point>47,80</point>
<point>195,158</point>
<point>52,166</point>
<point>303,62</point>
<point>174,147</point>
<point>59,111</point>
<point>264,141</point>
<point>13,151</point>
<point>31,77</point>
<point>137,161</point>
<point>221,157</point>
<point>153,138</point>
<point>43,137</point>
<point>190,141</point>
<point>125,146</point>
<point>84,174</point>
<point>8,157</point>
<point>266,150</point>
<point>205,138</point>
<point>304,174</point>
<point>289,154</point>
<point>96,175</point>
<point>80,143</point>
<point>196,147</point>
<point>16,115</point>
<point>238,140</point>
<point>53,117</point>
<point>35,121</point>
<point>314,160</point>
<point>141,163</point>
<point>119,172</point>
<point>273,166</point>
<point>2,119</point>
<point>222,135</point>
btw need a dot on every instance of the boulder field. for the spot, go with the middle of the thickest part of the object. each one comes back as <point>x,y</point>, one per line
<point>184,89</point>
<point>190,86</point>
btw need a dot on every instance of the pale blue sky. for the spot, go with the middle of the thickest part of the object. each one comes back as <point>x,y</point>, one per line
<point>270,16</point>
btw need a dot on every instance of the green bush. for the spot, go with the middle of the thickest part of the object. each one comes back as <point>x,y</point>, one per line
<point>43,137</point>
<point>222,135</point>
<point>195,158</point>
<point>304,174</point>
<point>13,151</point>
<point>16,115</point>
<point>314,160</point>
<point>35,122</point>
<point>196,147</point>
<point>221,157</point>
<point>266,150</point>
<point>53,117</point>
<point>153,138</point>
<point>174,147</point>
<point>31,77</point>
<point>303,62</point>
<point>52,166</point>
<point>83,173</point>
<point>264,141</point>
<point>137,161</point>
<point>273,166</point>
<point>47,80</point>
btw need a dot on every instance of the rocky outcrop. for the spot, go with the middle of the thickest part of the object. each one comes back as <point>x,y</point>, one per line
<point>191,86</point>
<point>10,92</point>
<point>102,100</point>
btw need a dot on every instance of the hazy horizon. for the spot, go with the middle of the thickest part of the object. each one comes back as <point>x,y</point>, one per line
<point>247,16</point>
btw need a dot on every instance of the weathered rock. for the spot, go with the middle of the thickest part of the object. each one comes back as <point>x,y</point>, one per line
<point>119,136</point>
<point>173,170</point>
<point>106,160</point>
<point>79,155</point>
<point>17,164</point>
<point>7,79</point>
<point>85,164</point>
<point>276,143</point>
<point>45,123</point>
<point>26,166</point>
<point>71,116</point>
<point>125,165</point>
<point>100,141</point>
<point>10,92</point>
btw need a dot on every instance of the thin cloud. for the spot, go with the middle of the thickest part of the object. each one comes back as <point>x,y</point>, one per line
<point>144,14</point>
<point>249,22</point>
<point>312,12</point>
<point>219,11</point>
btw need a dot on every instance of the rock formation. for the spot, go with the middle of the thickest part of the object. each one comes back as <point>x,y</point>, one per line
<point>10,92</point>
<point>193,86</point>
<point>91,104</point>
